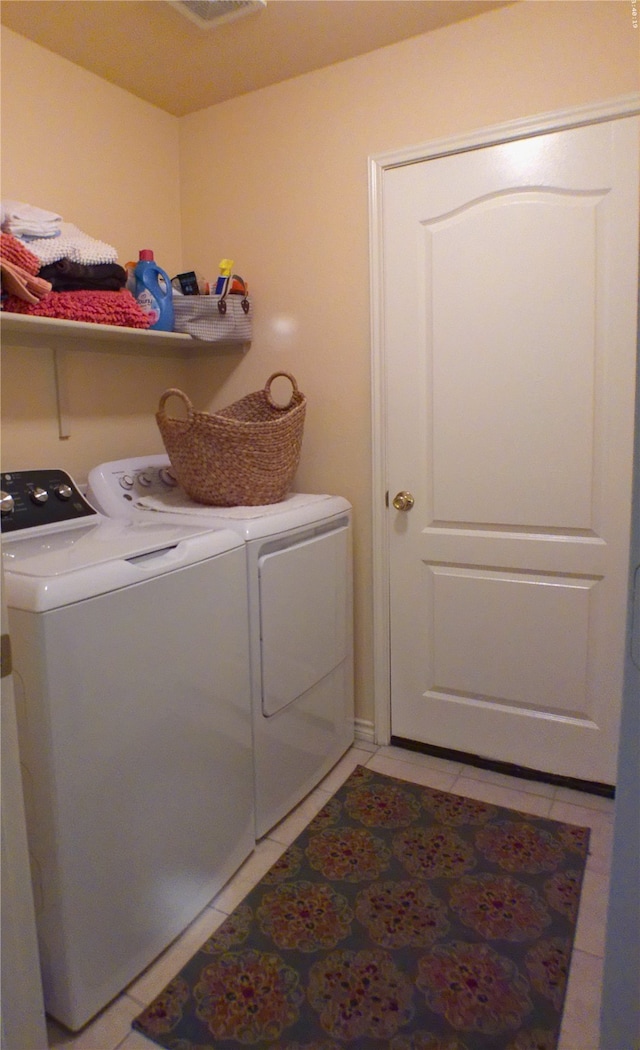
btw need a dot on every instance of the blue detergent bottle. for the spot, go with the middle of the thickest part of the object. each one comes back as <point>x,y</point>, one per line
<point>153,292</point>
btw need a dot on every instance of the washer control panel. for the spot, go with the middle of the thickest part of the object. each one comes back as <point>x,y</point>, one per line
<point>30,498</point>
<point>115,487</point>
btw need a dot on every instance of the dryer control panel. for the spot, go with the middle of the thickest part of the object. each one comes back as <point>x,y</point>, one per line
<point>32,498</point>
<point>115,487</point>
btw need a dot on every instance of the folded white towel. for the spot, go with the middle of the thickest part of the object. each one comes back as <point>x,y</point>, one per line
<point>72,244</point>
<point>26,220</point>
<point>177,502</point>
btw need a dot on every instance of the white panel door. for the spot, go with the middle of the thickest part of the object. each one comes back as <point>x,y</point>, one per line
<point>509,321</point>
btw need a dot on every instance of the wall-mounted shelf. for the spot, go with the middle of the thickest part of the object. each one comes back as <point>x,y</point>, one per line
<point>25,330</point>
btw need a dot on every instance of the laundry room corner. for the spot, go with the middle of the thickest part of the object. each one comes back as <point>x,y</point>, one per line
<point>255,643</point>
<point>276,179</point>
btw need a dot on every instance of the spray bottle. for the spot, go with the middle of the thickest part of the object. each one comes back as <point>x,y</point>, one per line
<point>226,266</point>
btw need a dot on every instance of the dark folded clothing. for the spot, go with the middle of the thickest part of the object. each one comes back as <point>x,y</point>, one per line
<point>68,276</point>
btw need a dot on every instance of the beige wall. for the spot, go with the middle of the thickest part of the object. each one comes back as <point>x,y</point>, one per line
<point>278,180</point>
<point>92,152</point>
<point>109,163</point>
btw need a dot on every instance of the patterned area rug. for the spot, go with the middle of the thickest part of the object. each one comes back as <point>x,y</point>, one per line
<point>402,918</point>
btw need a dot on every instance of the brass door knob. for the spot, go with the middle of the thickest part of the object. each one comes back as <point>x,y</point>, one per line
<point>403,501</point>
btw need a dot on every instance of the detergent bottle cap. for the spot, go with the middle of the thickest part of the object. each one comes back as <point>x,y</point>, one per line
<point>146,255</point>
<point>226,266</point>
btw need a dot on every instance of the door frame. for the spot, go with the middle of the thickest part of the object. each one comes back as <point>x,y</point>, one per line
<point>561,120</point>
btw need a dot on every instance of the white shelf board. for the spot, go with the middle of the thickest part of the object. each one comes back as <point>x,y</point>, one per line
<point>27,331</point>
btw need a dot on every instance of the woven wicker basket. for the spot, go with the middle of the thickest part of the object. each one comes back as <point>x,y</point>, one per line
<point>243,455</point>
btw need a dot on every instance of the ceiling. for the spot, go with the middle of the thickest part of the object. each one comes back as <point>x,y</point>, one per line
<point>148,48</point>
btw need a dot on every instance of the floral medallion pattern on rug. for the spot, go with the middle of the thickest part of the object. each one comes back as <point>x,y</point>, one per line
<point>402,918</point>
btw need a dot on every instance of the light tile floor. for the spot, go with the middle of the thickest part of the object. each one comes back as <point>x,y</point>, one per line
<point>111,1030</point>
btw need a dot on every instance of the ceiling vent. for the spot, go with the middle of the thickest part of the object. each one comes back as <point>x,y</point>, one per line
<point>210,13</point>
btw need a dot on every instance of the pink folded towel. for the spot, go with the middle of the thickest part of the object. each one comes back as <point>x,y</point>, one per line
<point>15,252</point>
<point>16,281</point>
<point>116,308</point>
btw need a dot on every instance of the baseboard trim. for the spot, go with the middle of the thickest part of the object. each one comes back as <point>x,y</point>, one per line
<point>590,787</point>
<point>363,730</point>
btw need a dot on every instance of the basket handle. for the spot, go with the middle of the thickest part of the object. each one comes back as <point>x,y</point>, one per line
<point>267,390</point>
<point>222,301</point>
<point>178,393</point>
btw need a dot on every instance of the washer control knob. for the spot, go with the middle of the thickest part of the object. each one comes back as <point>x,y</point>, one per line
<point>38,495</point>
<point>63,491</point>
<point>144,479</point>
<point>126,481</point>
<point>7,503</point>
<point>167,478</point>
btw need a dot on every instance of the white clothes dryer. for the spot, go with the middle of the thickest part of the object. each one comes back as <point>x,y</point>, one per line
<point>299,586</point>
<point>130,655</point>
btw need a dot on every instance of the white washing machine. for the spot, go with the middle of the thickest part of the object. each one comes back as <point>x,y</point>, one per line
<point>299,586</point>
<point>130,654</point>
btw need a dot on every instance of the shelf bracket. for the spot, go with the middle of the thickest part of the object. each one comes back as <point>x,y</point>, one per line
<point>61,366</point>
